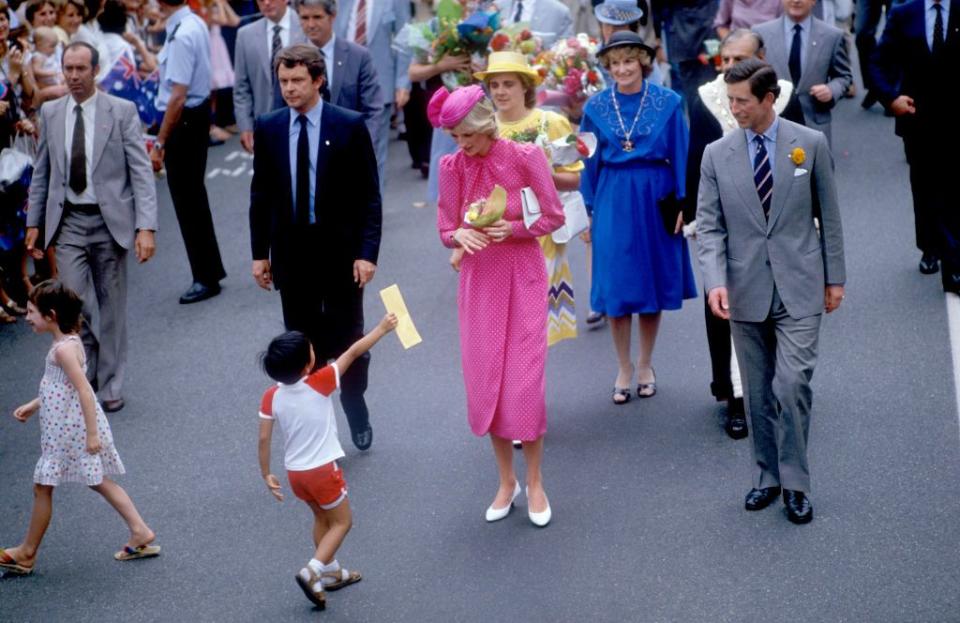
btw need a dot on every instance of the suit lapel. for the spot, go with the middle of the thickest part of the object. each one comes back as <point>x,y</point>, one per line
<point>341,50</point>
<point>327,129</point>
<point>740,157</point>
<point>103,121</point>
<point>776,51</point>
<point>783,174</point>
<point>814,45</point>
<point>282,154</point>
<point>262,41</point>
<point>58,136</point>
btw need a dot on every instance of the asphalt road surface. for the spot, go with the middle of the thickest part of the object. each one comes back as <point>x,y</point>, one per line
<point>647,498</point>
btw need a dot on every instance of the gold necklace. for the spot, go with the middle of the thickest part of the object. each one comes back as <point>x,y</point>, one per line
<point>626,143</point>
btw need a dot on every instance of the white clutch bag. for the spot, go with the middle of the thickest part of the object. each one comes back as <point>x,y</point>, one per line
<point>574,215</point>
<point>531,206</point>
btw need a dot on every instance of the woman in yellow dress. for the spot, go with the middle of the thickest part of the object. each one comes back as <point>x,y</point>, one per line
<point>512,85</point>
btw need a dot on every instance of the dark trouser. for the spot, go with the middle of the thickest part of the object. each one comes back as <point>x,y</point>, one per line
<point>186,163</point>
<point>930,195</point>
<point>332,317</point>
<point>868,17</point>
<point>419,130</point>
<point>777,358</point>
<point>718,340</point>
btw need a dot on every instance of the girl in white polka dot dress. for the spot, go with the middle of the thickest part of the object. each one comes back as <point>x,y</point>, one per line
<point>75,439</point>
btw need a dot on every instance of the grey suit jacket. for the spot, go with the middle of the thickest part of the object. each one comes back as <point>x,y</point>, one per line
<point>388,17</point>
<point>253,88</point>
<point>354,84</point>
<point>551,19</point>
<point>750,255</point>
<point>122,176</point>
<point>827,62</point>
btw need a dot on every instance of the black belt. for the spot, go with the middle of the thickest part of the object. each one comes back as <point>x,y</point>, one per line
<point>82,208</point>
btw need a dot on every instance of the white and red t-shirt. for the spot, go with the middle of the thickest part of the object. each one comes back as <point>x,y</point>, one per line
<point>305,413</point>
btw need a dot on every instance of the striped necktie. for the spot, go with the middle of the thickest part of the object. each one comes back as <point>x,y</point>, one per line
<point>360,34</point>
<point>763,175</point>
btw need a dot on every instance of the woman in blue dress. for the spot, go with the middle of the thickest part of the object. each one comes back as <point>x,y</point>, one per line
<point>636,177</point>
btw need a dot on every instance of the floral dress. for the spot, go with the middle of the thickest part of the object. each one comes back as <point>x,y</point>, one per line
<point>63,433</point>
<point>541,127</point>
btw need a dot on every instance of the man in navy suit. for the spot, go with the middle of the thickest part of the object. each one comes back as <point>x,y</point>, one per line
<point>912,69</point>
<point>352,81</point>
<point>315,217</point>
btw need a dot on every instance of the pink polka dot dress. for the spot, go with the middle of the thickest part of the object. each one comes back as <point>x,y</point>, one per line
<point>63,433</point>
<point>502,296</point>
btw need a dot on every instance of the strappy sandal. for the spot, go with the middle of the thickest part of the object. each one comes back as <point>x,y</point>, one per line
<point>6,318</point>
<point>340,579</point>
<point>11,566</point>
<point>621,392</point>
<point>648,390</point>
<point>133,553</point>
<point>306,582</point>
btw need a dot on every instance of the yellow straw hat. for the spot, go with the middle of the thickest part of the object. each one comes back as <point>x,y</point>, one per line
<point>509,63</point>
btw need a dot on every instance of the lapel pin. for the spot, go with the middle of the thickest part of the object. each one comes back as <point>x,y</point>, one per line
<point>327,143</point>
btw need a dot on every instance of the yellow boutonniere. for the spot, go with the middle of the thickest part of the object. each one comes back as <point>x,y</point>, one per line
<point>798,156</point>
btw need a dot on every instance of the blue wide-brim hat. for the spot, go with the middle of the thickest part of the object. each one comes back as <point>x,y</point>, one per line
<point>618,12</point>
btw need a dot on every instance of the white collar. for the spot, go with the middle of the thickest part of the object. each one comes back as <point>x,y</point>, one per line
<point>91,102</point>
<point>284,22</point>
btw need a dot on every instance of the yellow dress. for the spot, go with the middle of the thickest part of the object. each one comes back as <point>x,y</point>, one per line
<point>542,127</point>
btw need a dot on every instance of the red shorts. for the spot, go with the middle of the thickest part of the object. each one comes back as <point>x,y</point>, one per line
<point>322,485</point>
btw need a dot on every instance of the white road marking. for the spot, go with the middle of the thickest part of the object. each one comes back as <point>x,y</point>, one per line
<point>236,172</point>
<point>953,323</point>
<point>213,173</point>
<point>233,155</point>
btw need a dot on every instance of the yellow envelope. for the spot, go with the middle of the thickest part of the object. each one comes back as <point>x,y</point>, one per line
<point>393,301</point>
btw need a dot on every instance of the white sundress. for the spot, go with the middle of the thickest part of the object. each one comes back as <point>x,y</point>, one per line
<point>63,433</point>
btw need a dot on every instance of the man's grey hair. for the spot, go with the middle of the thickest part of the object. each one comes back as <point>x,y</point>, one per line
<point>744,33</point>
<point>328,6</point>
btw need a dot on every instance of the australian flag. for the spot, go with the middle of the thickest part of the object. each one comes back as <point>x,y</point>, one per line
<point>123,81</point>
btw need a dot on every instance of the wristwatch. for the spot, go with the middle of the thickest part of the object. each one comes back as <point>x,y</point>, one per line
<point>158,145</point>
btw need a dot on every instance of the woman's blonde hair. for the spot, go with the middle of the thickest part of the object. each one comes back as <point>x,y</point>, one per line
<point>480,120</point>
<point>627,52</point>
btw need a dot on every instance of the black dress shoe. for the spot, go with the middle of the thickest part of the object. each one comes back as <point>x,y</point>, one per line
<point>759,499</point>
<point>363,438</point>
<point>929,264</point>
<point>112,406</point>
<point>736,424</point>
<point>199,292</point>
<point>799,508</point>
<point>951,282</point>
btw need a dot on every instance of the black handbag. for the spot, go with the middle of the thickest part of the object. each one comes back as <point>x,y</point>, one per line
<point>670,207</point>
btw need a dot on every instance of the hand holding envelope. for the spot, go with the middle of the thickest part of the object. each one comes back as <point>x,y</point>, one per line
<point>406,331</point>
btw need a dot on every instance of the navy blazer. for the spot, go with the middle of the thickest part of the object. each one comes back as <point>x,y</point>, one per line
<point>348,209</point>
<point>902,64</point>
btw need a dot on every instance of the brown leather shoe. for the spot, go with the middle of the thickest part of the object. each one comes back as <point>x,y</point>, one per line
<point>112,406</point>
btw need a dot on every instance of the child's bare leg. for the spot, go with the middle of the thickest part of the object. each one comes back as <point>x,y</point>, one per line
<point>140,532</point>
<point>503,451</point>
<point>338,521</point>
<point>320,524</point>
<point>26,552</point>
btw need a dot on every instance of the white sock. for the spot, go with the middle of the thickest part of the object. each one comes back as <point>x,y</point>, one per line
<point>333,567</point>
<point>316,566</point>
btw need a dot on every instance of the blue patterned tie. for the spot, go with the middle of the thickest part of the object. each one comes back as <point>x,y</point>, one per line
<point>763,175</point>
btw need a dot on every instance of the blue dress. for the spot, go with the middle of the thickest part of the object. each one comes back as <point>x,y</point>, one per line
<point>638,268</point>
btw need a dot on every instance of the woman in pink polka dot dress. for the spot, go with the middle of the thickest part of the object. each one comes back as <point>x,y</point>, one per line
<point>502,299</point>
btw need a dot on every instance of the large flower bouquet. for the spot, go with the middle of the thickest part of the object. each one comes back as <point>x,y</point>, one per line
<point>452,34</point>
<point>517,38</point>
<point>570,70</point>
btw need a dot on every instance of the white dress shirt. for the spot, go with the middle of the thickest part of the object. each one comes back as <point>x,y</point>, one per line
<point>352,24</point>
<point>89,108</point>
<point>526,14</point>
<point>284,25</point>
<point>329,57</point>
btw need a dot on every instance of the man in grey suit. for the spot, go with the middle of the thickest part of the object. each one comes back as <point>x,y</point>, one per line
<point>255,91</point>
<point>548,19</point>
<point>93,194</point>
<point>769,269</point>
<point>351,75</point>
<point>814,56</point>
<point>373,24</point>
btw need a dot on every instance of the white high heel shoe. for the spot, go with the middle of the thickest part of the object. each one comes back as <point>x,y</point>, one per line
<point>540,519</point>
<point>496,514</point>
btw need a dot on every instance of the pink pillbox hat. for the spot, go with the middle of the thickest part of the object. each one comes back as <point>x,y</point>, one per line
<point>446,110</point>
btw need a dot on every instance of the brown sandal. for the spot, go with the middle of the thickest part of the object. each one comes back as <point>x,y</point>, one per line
<point>306,582</point>
<point>340,579</point>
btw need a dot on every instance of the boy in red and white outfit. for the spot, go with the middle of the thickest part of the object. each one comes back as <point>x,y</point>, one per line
<point>300,402</point>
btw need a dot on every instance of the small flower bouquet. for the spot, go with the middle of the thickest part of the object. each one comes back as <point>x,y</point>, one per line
<point>486,212</point>
<point>569,149</point>
<point>570,71</point>
<point>517,38</point>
